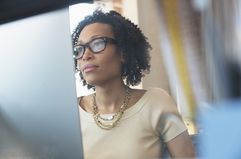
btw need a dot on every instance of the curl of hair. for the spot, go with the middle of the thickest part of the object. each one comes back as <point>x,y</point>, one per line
<point>131,42</point>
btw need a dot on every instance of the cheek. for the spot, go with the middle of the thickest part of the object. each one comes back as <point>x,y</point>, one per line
<point>114,63</point>
<point>78,64</point>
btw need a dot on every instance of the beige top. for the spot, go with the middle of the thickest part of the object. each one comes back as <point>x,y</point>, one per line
<point>140,132</point>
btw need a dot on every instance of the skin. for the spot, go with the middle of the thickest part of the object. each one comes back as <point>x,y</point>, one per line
<point>105,75</point>
<point>181,147</point>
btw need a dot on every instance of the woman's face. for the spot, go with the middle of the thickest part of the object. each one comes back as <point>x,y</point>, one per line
<point>102,67</point>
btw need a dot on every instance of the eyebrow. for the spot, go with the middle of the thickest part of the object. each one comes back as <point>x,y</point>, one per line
<point>93,37</point>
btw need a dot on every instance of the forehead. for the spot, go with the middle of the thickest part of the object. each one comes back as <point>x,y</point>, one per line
<point>95,30</point>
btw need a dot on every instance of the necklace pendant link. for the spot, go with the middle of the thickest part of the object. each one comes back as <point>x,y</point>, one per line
<point>111,121</point>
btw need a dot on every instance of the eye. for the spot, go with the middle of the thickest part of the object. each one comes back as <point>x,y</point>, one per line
<point>78,51</point>
<point>97,45</point>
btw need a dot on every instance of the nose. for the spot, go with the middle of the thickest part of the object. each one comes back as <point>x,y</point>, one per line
<point>87,54</point>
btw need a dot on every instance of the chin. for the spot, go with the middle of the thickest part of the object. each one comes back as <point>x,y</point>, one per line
<point>91,82</point>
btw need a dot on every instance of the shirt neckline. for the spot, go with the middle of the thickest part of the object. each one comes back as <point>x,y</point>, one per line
<point>128,112</point>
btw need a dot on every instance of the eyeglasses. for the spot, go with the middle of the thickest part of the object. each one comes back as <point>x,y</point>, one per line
<point>96,45</point>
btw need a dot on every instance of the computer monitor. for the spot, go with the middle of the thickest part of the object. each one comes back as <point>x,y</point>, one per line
<point>39,115</point>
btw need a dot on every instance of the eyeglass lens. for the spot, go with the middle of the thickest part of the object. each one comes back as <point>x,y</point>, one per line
<point>96,45</point>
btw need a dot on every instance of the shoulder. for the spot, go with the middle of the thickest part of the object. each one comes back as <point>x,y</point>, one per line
<point>159,100</point>
<point>151,95</point>
<point>163,114</point>
<point>159,94</point>
<point>85,102</point>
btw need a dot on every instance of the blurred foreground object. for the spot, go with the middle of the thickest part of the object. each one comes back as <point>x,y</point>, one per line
<point>18,9</point>
<point>221,129</point>
<point>222,42</point>
<point>219,121</point>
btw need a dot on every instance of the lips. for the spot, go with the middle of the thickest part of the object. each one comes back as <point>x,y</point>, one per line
<point>89,68</point>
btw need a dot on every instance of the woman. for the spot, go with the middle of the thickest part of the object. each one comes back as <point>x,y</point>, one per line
<point>119,122</point>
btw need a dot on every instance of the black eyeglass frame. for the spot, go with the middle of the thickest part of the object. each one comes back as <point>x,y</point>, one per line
<point>105,40</point>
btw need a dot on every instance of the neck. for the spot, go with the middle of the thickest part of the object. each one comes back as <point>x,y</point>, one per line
<point>109,99</point>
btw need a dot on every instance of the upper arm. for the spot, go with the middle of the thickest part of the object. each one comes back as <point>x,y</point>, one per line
<point>171,128</point>
<point>181,146</point>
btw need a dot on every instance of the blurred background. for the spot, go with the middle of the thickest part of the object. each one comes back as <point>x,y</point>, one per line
<point>195,57</point>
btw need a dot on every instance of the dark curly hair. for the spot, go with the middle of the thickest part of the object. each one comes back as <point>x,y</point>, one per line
<point>131,42</point>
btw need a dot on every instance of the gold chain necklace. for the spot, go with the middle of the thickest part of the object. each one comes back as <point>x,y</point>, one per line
<point>111,121</point>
